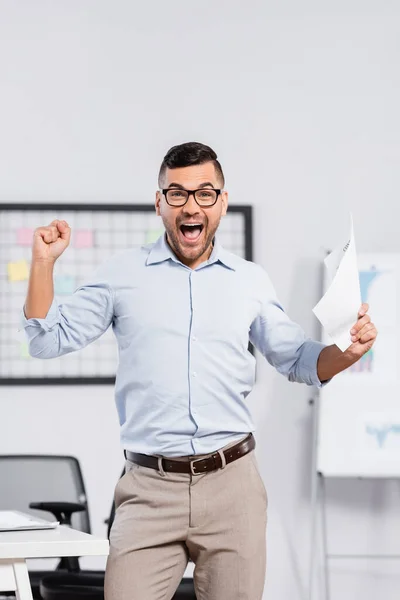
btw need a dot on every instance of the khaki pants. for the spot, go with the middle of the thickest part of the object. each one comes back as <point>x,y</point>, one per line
<point>217,519</point>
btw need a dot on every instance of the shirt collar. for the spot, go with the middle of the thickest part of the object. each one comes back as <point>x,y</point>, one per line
<point>160,252</point>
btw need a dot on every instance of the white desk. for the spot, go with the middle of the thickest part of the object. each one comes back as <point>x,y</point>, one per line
<point>17,546</point>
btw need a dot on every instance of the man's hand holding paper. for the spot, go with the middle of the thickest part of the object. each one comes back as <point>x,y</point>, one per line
<point>363,335</point>
<point>341,313</point>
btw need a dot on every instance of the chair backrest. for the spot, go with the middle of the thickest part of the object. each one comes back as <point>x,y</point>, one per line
<point>26,478</point>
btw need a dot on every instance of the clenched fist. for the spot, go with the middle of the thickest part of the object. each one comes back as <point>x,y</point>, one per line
<point>51,241</point>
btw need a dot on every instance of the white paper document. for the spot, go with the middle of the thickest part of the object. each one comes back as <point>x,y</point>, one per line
<point>13,520</point>
<point>338,308</point>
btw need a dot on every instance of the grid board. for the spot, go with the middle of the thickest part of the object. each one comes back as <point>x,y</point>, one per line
<point>98,232</point>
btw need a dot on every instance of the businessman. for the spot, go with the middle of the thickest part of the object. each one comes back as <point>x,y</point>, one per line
<point>183,310</point>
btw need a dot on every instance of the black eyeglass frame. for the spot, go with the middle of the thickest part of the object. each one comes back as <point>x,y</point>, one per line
<point>191,193</point>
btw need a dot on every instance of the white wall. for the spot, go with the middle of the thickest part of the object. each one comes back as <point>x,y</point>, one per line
<point>300,100</point>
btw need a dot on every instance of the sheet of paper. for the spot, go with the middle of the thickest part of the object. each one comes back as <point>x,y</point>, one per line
<point>338,309</point>
<point>12,520</point>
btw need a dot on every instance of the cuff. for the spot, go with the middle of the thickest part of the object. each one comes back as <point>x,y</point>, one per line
<point>51,319</point>
<point>309,359</point>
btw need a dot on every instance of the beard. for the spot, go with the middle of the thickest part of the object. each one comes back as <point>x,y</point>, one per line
<point>183,248</point>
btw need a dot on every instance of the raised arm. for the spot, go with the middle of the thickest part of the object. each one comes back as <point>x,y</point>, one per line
<point>48,245</point>
<point>53,330</point>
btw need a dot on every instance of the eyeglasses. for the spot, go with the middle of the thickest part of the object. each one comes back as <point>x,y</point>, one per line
<point>204,197</point>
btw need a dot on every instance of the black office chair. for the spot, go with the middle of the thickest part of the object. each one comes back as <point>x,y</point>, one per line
<point>28,479</point>
<point>88,585</point>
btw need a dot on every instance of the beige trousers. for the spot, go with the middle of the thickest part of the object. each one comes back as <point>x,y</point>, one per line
<point>216,519</point>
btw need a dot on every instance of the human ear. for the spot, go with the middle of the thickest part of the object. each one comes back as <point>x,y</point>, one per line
<point>224,199</point>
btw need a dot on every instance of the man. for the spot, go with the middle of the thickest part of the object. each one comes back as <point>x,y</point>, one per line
<point>183,310</point>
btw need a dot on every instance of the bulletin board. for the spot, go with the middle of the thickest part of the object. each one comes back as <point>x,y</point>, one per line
<point>98,231</point>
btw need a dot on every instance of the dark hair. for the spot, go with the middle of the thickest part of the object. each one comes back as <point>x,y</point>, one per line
<point>190,153</point>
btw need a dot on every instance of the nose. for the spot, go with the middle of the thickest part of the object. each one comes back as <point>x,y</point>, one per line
<point>191,205</point>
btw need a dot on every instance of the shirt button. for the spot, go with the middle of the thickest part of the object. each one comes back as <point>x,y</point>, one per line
<point>194,373</point>
<point>194,338</point>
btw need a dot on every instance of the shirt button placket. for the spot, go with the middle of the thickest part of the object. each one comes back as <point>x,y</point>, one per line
<point>193,338</point>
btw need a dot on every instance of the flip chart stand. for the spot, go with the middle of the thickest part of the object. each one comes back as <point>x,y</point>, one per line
<point>319,511</point>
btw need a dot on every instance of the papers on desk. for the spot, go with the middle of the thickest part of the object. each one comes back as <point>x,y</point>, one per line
<point>13,520</point>
<point>338,308</point>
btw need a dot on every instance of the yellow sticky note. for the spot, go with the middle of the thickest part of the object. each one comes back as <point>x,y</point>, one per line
<point>18,271</point>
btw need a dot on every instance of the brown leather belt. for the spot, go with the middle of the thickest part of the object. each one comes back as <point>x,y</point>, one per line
<point>198,465</point>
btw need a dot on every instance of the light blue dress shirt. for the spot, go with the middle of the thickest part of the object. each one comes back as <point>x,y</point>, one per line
<point>184,368</point>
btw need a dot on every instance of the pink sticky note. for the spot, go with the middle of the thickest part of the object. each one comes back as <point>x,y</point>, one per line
<point>84,238</point>
<point>24,236</point>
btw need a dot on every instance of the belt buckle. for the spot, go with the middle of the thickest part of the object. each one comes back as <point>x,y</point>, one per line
<point>192,467</point>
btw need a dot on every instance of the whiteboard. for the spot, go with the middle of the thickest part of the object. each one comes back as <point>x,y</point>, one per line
<point>359,410</point>
<point>98,232</point>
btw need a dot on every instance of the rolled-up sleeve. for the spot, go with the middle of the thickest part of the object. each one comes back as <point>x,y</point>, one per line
<point>73,324</point>
<point>282,341</point>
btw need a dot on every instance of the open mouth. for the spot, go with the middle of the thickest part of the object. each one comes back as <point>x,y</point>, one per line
<point>192,231</point>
